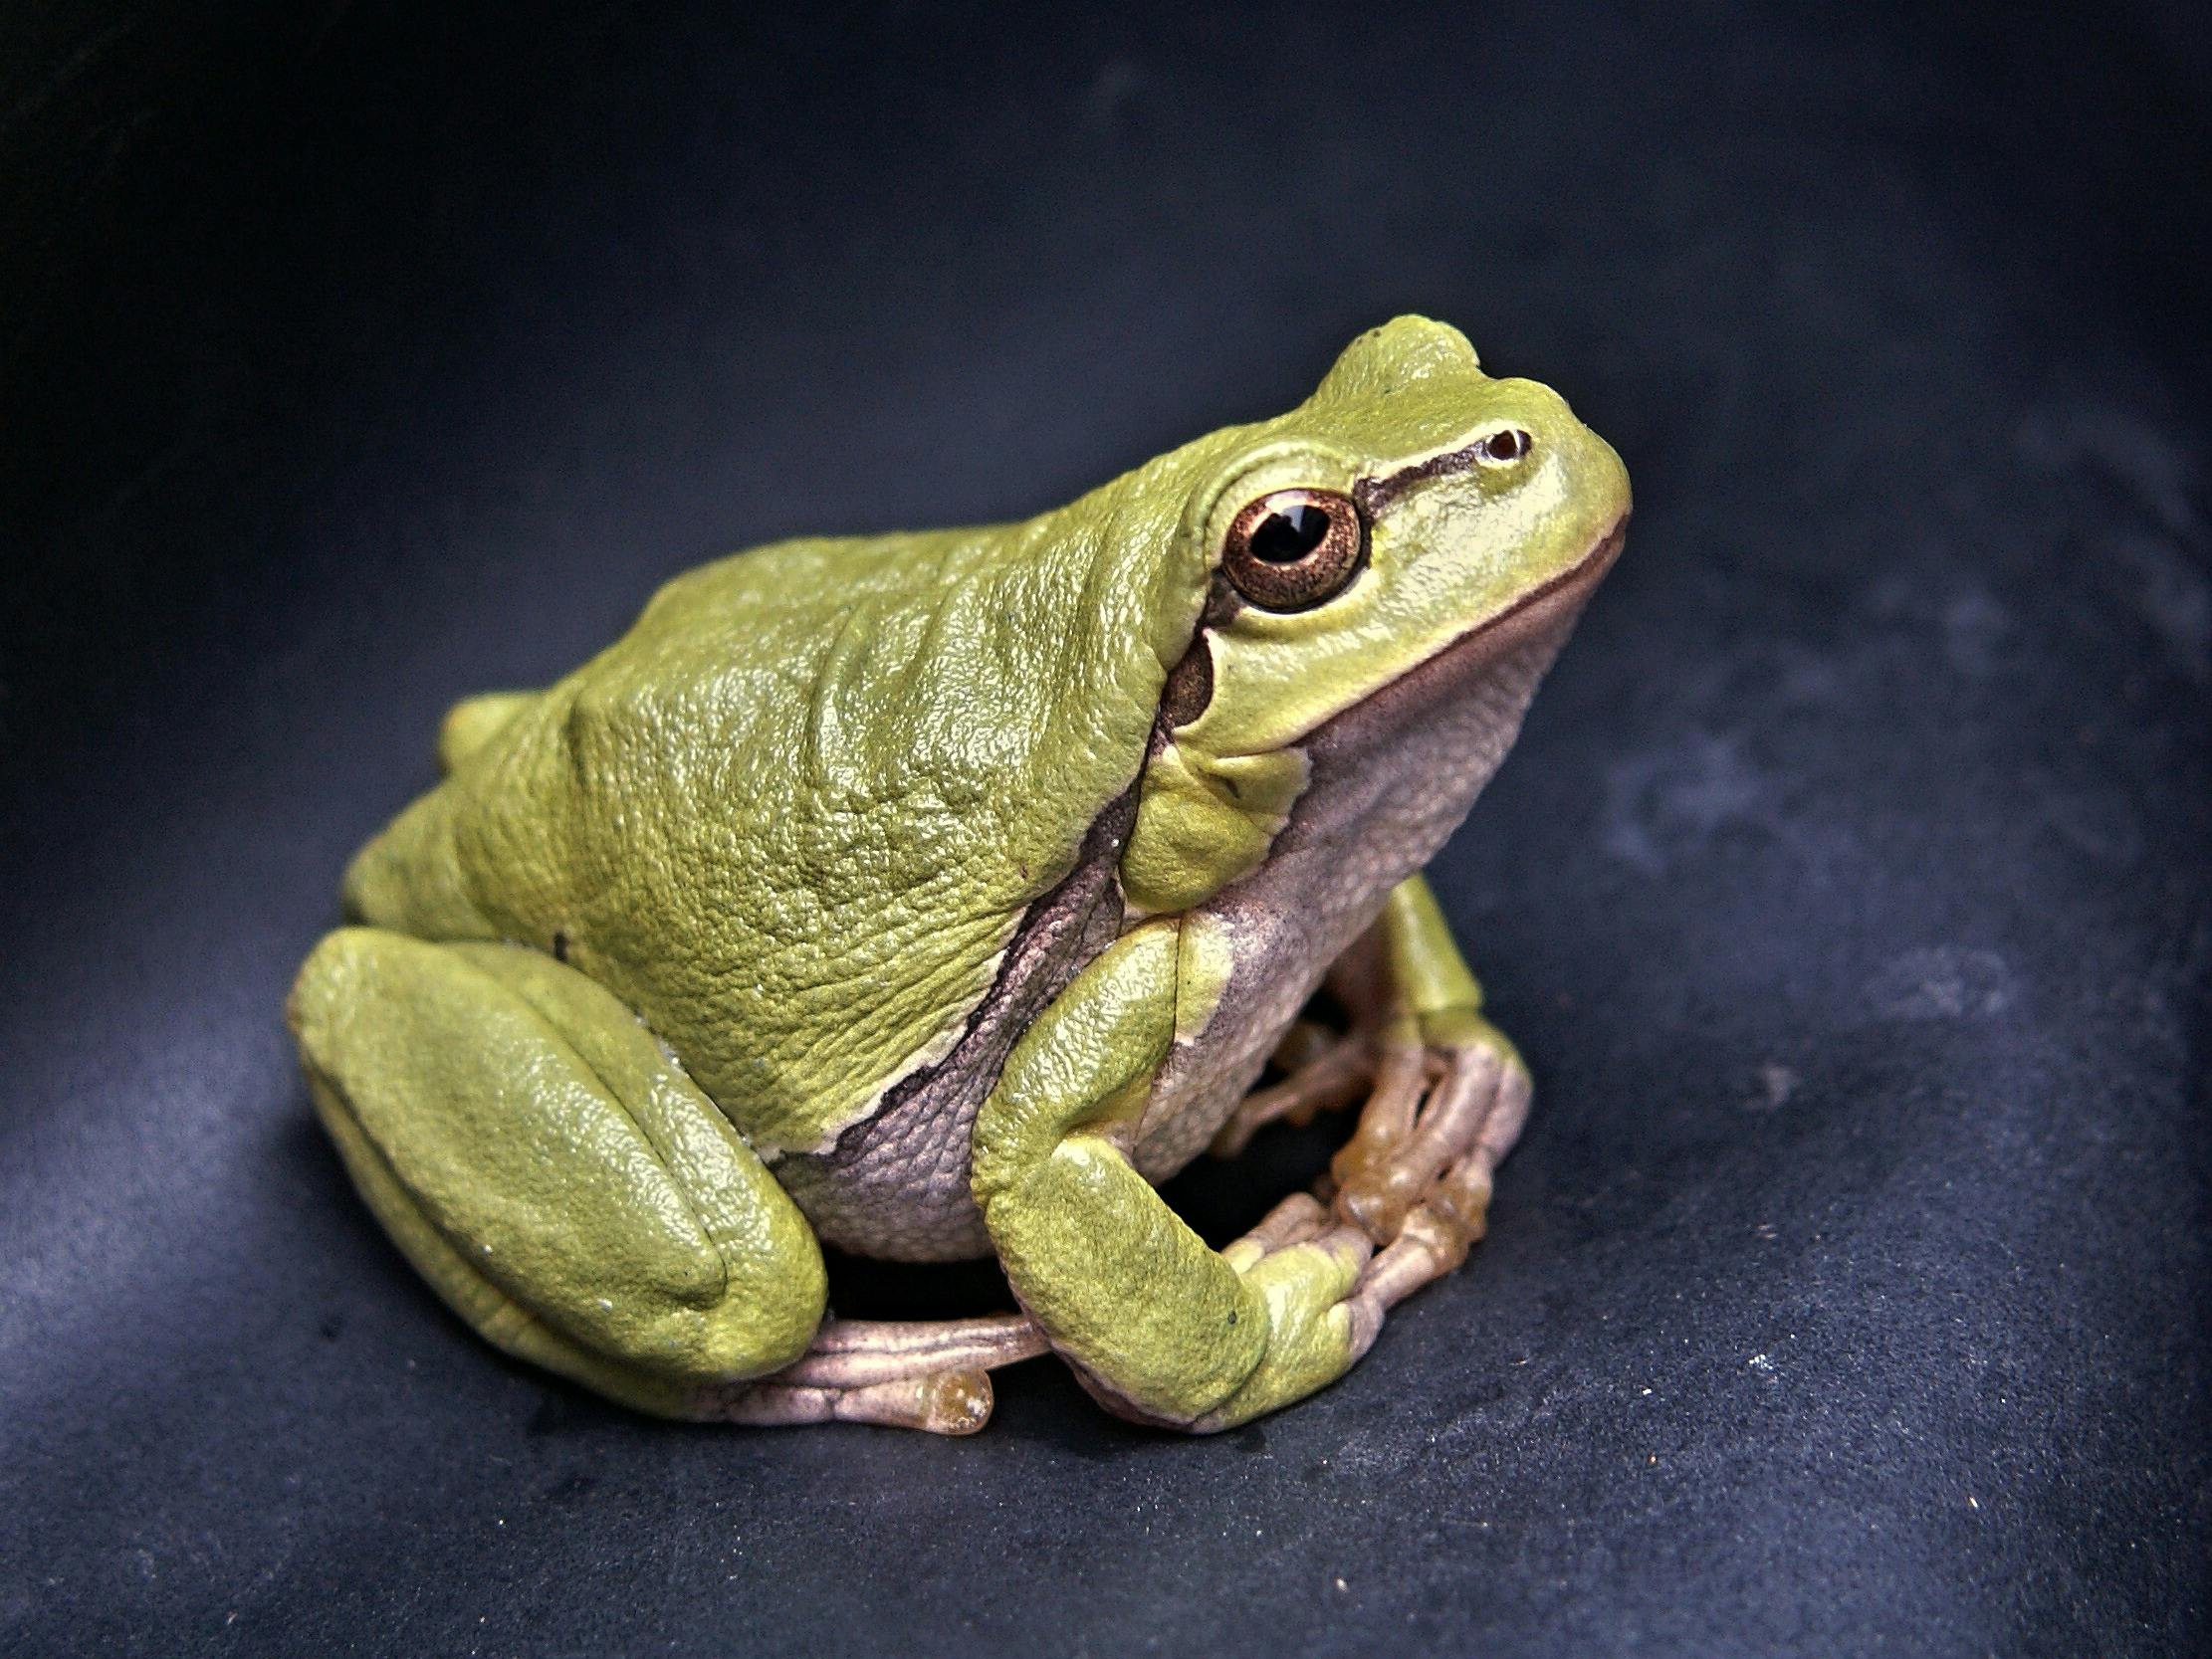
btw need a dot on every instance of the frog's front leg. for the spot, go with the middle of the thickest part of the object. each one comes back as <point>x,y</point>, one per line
<point>1156,1324</point>
<point>1445,1097</point>
<point>565,1187</point>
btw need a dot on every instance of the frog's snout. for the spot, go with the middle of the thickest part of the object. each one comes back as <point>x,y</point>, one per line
<point>1597,477</point>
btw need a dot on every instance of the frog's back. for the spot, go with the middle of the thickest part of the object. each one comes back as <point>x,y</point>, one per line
<point>796,816</point>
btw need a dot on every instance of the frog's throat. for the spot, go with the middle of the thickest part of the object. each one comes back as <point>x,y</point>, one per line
<point>1520,640</point>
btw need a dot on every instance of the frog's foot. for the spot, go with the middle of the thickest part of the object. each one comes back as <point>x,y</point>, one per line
<point>1444,1096</point>
<point>1439,1110</point>
<point>932,1375</point>
<point>1437,1119</point>
<point>946,1402</point>
<point>1416,1175</point>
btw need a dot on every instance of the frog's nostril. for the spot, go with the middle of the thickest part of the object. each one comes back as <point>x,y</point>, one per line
<point>1509,445</point>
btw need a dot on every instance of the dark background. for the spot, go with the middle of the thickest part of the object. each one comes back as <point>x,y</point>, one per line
<point>1848,890</point>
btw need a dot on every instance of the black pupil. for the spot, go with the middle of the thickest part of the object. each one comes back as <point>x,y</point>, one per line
<point>1287,536</point>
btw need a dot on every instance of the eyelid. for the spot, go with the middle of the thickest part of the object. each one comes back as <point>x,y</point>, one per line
<point>1279,463</point>
<point>1314,578</point>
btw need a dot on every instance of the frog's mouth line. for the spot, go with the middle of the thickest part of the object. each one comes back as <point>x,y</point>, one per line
<point>1551,607</point>
<point>1585,572</point>
<point>1573,584</point>
<point>1194,690</point>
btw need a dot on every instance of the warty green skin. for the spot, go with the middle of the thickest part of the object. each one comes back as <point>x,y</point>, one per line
<point>792,823</point>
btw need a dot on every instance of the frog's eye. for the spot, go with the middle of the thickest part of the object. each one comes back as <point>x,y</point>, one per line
<point>1293,549</point>
<point>1501,447</point>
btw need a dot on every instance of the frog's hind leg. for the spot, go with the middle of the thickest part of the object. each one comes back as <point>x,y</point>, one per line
<point>852,1352</point>
<point>855,1367</point>
<point>569,1192</point>
<point>1444,1096</point>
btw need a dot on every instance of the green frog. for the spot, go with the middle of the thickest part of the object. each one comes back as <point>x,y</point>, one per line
<point>936,896</point>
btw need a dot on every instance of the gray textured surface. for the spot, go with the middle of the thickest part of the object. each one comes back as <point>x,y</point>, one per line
<point>1847,892</point>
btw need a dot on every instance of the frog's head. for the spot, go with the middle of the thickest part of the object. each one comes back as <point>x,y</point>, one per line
<point>1392,564</point>
<point>1411,502</point>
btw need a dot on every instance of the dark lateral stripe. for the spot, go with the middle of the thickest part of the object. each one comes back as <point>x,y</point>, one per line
<point>1376,494</point>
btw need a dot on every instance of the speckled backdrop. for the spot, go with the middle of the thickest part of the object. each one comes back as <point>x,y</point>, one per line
<point>1848,890</point>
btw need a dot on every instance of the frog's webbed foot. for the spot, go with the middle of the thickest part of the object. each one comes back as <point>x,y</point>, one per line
<point>1444,1096</point>
<point>925,1374</point>
<point>1414,1176</point>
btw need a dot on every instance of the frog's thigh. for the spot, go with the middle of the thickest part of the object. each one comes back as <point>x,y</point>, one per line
<point>551,1173</point>
<point>1158,1324</point>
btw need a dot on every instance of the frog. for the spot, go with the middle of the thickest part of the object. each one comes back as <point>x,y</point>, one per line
<point>938,895</point>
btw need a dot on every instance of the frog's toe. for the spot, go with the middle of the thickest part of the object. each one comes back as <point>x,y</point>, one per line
<point>930,1375</point>
<point>1434,1237</point>
<point>947,1402</point>
<point>846,1354</point>
<point>1441,1118</point>
<point>1297,1219</point>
